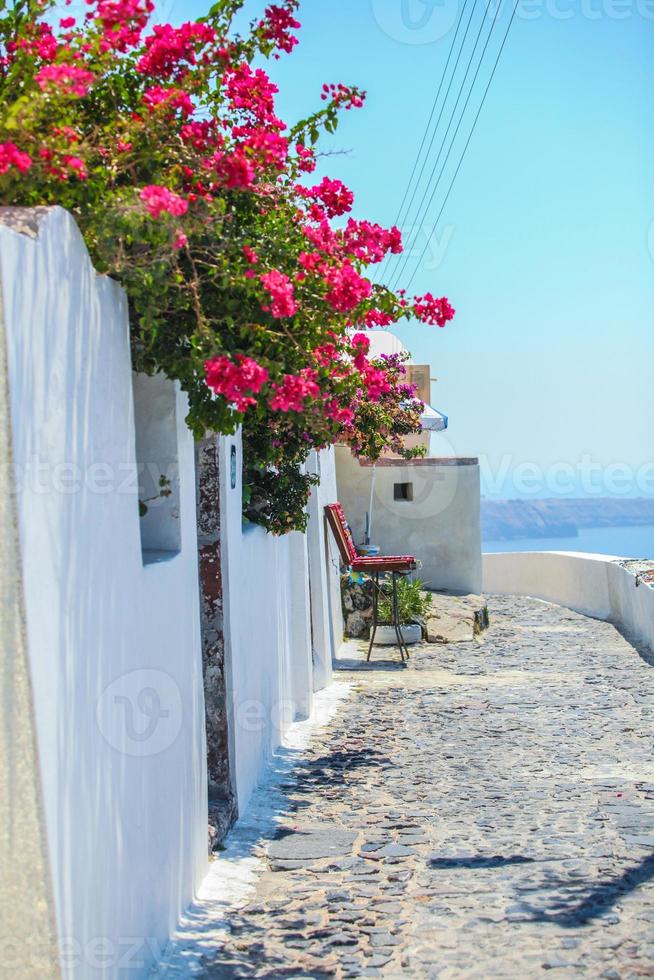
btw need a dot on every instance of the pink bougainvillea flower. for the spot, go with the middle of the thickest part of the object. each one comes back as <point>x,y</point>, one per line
<point>345,95</point>
<point>306,158</point>
<point>277,24</point>
<point>180,240</point>
<point>433,311</point>
<point>291,394</point>
<point>253,92</point>
<point>335,196</point>
<point>77,165</point>
<point>159,200</point>
<point>268,148</point>
<point>339,413</point>
<point>346,288</point>
<point>377,383</point>
<point>237,381</point>
<point>11,156</point>
<point>66,78</point>
<point>370,242</point>
<point>170,98</point>
<point>323,237</point>
<point>377,318</point>
<point>170,50</point>
<point>233,169</point>
<point>360,347</point>
<point>280,288</point>
<point>122,22</point>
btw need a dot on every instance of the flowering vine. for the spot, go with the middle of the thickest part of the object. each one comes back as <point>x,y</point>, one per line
<point>247,279</point>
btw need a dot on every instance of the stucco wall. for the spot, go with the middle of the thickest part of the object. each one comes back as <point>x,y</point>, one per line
<point>114,644</point>
<point>440,525</point>
<point>326,612</point>
<point>268,624</point>
<point>27,920</point>
<point>597,585</point>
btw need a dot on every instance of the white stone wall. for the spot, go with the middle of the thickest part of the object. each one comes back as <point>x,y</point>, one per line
<point>440,525</point>
<point>278,648</point>
<point>113,641</point>
<point>597,585</point>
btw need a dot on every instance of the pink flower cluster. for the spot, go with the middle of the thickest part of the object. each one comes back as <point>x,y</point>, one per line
<point>335,196</point>
<point>160,200</point>
<point>11,156</point>
<point>253,92</point>
<point>201,134</point>
<point>293,391</point>
<point>171,98</point>
<point>323,237</point>
<point>345,95</point>
<point>376,381</point>
<point>346,288</point>
<point>265,145</point>
<point>360,348</point>
<point>280,288</point>
<point>236,382</point>
<point>67,78</point>
<point>377,318</point>
<point>123,22</point>
<point>306,158</point>
<point>169,50</point>
<point>40,41</point>
<point>433,311</point>
<point>370,242</point>
<point>234,170</point>
<point>277,24</point>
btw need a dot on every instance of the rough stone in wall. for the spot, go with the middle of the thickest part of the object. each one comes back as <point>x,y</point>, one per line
<point>222,803</point>
<point>357,606</point>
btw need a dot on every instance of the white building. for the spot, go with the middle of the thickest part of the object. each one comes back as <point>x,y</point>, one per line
<point>428,507</point>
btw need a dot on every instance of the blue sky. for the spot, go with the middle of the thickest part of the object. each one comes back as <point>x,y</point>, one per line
<point>544,247</point>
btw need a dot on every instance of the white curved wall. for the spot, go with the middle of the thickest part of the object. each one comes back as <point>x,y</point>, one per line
<point>597,585</point>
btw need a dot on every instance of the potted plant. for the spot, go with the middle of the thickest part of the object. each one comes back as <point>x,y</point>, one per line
<point>413,606</point>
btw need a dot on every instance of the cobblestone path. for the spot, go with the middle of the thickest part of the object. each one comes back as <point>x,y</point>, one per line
<point>487,812</point>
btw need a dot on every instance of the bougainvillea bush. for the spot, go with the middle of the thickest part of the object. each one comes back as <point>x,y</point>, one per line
<point>245,273</point>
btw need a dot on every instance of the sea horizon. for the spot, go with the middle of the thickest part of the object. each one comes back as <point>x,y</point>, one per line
<point>633,541</point>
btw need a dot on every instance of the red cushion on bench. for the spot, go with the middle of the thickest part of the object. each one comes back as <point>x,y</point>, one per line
<point>362,563</point>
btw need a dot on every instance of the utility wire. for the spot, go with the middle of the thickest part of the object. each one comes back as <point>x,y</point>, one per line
<point>398,217</point>
<point>401,217</point>
<point>474,124</point>
<point>422,210</point>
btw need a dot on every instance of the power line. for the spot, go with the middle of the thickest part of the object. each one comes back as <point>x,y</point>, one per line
<point>474,124</point>
<point>422,210</point>
<point>433,108</point>
<point>401,217</point>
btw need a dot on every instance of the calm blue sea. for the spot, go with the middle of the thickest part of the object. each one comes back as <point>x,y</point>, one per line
<point>627,542</point>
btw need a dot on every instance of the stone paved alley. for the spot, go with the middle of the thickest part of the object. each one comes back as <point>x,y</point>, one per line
<point>487,812</point>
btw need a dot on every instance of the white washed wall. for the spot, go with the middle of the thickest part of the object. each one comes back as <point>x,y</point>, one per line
<point>271,666</point>
<point>596,585</point>
<point>113,644</point>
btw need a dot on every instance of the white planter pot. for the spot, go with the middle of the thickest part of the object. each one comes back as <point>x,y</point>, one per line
<point>387,637</point>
